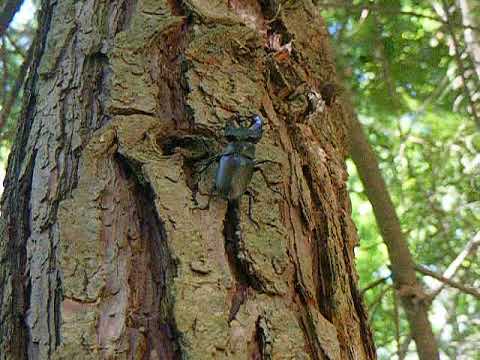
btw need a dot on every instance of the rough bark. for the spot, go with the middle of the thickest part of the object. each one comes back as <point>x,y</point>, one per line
<point>413,298</point>
<point>106,253</point>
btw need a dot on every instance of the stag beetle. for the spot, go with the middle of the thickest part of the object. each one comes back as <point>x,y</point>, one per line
<point>236,164</point>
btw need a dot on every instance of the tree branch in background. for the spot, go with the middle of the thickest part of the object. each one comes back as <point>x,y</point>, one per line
<point>404,277</point>
<point>454,284</point>
<point>404,348</point>
<point>383,59</point>
<point>16,89</point>
<point>413,298</point>
<point>374,305</point>
<point>469,249</point>
<point>471,39</point>
<point>443,12</point>
<point>3,56</point>
<point>374,284</point>
<point>17,49</point>
<point>7,12</point>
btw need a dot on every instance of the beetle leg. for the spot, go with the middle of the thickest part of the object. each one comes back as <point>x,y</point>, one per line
<point>250,208</point>
<point>261,162</point>
<point>209,162</point>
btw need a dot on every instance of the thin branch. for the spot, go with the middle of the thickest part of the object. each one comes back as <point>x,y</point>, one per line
<point>374,305</point>
<point>3,55</point>
<point>459,61</point>
<point>7,12</point>
<point>404,348</point>
<point>17,49</point>
<point>469,249</point>
<point>435,95</point>
<point>375,284</point>
<point>419,15</point>
<point>454,284</point>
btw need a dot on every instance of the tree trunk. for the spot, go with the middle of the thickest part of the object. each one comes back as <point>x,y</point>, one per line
<point>472,40</point>
<point>414,300</point>
<point>7,12</point>
<point>107,252</point>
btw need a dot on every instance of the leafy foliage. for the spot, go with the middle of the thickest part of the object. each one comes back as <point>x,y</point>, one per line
<point>14,60</point>
<point>399,63</point>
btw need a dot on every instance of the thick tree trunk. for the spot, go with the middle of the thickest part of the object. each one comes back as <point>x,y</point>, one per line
<point>106,253</point>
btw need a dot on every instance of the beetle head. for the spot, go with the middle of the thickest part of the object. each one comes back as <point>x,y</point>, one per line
<point>240,133</point>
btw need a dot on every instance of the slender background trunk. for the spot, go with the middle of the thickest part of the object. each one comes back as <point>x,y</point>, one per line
<point>414,300</point>
<point>7,12</point>
<point>106,253</point>
<point>471,37</point>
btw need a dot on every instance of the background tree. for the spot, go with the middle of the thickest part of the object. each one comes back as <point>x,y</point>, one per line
<point>105,252</point>
<point>15,58</point>
<point>415,98</point>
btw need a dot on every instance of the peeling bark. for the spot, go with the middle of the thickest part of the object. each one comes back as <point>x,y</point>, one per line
<point>118,260</point>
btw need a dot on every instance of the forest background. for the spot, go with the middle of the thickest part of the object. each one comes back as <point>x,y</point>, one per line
<point>411,71</point>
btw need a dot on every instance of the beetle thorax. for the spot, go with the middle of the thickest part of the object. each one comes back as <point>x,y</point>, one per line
<point>245,149</point>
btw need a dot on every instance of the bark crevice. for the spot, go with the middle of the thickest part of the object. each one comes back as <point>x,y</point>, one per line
<point>241,266</point>
<point>324,273</point>
<point>239,263</point>
<point>124,15</point>
<point>306,321</point>
<point>263,339</point>
<point>159,326</point>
